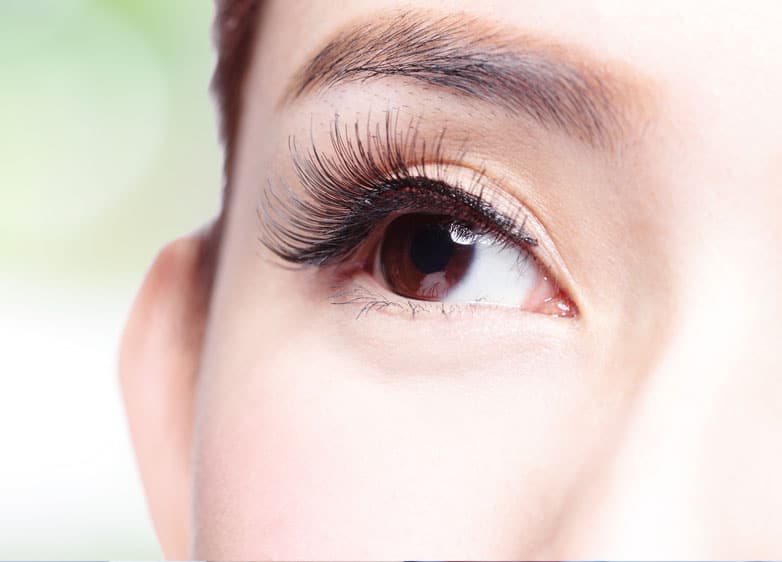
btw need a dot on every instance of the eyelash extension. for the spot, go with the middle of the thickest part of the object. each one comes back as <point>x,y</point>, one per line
<point>367,179</point>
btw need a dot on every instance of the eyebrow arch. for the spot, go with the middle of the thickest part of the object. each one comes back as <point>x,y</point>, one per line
<point>468,57</point>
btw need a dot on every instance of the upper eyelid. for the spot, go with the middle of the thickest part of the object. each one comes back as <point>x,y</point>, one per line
<point>353,171</point>
<point>419,193</point>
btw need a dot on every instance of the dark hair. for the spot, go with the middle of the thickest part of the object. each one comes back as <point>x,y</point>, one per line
<point>234,31</point>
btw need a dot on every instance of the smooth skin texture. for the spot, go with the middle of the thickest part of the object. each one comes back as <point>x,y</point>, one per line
<point>273,424</point>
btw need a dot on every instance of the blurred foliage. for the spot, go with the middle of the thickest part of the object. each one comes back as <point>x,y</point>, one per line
<point>108,145</point>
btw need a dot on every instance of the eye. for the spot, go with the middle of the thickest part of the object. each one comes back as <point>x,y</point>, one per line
<point>433,257</point>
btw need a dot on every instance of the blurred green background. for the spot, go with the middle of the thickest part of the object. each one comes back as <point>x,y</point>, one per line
<point>107,150</point>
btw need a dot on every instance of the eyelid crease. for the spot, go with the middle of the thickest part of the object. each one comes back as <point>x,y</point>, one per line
<point>365,180</point>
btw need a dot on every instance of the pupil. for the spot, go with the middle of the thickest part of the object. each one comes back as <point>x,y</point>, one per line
<point>432,248</point>
<point>420,259</point>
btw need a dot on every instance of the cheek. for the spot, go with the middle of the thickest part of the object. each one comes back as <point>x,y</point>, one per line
<point>311,452</point>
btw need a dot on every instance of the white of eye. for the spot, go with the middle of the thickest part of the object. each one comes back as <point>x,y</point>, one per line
<point>498,273</point>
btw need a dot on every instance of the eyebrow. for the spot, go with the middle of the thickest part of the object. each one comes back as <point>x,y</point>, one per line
<point>468,57</point>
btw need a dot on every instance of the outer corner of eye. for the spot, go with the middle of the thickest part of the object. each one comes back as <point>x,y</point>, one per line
<point>432,257</point>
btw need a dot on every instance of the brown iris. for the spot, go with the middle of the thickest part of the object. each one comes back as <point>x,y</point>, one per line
<point>422,256</point>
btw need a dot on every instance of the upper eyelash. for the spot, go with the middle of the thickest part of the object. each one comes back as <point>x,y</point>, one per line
<point>346,195</point>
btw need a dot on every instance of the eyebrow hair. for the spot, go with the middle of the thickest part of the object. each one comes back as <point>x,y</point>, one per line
<point>468,57</point>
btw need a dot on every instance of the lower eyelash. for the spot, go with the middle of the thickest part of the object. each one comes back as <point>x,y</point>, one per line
<point>369,301</point>
<point>366,301</point>
<point>363,181</point>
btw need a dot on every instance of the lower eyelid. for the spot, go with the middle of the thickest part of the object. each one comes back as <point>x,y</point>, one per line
<point>361,296</point>
<point>362,300</point>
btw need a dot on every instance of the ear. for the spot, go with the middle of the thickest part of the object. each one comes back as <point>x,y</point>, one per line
<point>159,357</point>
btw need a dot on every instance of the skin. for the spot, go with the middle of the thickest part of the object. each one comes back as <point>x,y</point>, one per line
<point>270,423</point>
